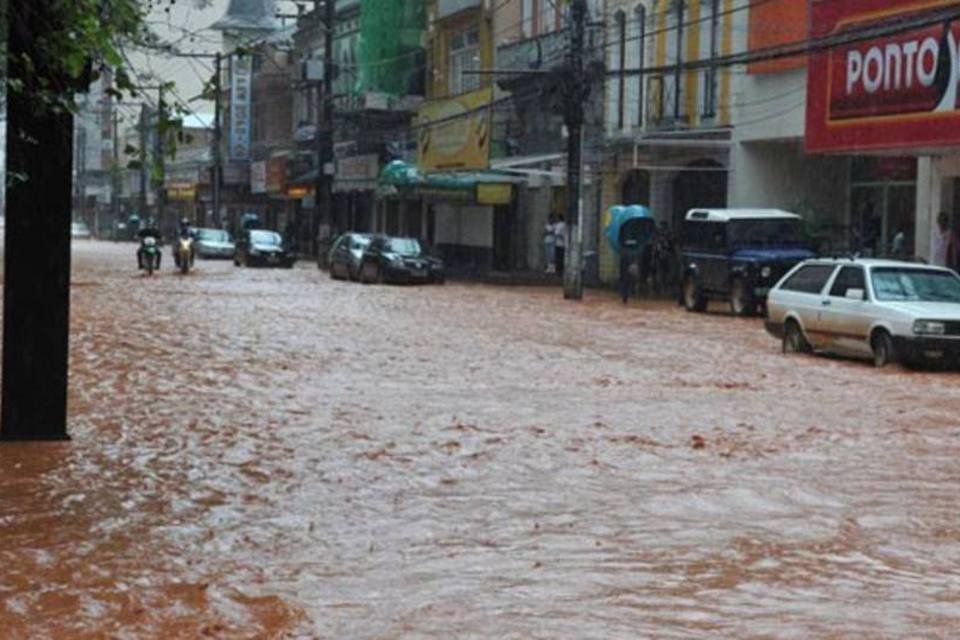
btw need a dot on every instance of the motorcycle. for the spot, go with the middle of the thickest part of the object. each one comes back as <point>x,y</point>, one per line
<point>149,254</point>
<point>183,254</point>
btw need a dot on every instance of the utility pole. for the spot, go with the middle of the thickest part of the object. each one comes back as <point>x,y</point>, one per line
<point>324,138</point>
<point>144,175</point>
<point>115,171</point>
<point>574,117</point>
<point>217,177</point>
<point>81,164</point>
<point>159,151</point>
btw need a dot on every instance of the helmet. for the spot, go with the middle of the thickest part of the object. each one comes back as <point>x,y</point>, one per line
<point>184,222</point>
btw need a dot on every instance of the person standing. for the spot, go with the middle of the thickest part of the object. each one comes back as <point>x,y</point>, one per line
<point>629,269</point>
<point>953,247</point>
<point>560,234</point>
<point>550,243</point>
<point>941,240</point>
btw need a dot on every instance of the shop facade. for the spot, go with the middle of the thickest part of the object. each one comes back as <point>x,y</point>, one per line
<point>890,105</point>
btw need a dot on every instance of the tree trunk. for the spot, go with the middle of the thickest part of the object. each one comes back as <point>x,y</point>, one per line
<point>36,286</point>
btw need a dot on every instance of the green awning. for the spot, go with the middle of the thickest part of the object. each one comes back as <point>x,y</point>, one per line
<point>401,174</point>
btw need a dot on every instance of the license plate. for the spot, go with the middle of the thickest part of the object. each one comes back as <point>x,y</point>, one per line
<point>273,258</point>
<point>418,273</point>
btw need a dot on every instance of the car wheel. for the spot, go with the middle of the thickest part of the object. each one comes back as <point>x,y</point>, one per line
<point>741,298</point>
<point>793,339</point>
<point>693,298</point>
<point>883,350</point>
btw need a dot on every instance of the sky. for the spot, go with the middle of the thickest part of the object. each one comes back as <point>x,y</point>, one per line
<point>186,25</point>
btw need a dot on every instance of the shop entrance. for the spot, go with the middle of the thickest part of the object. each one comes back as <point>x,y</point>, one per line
<point>882,206</point>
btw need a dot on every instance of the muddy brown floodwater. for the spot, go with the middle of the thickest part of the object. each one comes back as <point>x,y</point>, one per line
<point>271,454</point>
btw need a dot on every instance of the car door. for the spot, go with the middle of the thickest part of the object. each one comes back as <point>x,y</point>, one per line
<point>715,262</point>
<point>846,311</point>
<point>802,293</point>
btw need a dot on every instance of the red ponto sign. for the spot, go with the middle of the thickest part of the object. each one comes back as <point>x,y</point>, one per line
<point>894,93</point>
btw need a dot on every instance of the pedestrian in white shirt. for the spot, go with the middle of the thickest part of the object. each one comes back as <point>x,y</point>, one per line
<point>560,233</point>
<point>550,244</point>
<point>941,241</point>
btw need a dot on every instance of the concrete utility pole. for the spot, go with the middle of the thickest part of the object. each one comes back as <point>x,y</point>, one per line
<point>115,172</point>
<point>144,175</point>
<point>217,176</point>
<point>324,135</point>
<point>574,118</point>
<point>159,151</point>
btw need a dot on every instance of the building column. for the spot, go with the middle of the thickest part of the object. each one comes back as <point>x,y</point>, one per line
<point>929,204</point>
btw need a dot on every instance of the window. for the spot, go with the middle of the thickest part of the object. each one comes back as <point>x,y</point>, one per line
<point>710,73</point>
<point>548,15</point>
<point>526,18</point>
<point>915,285</point>
<point>809,279</point>
<point>464,56</point>
<point>848,278</point>
<point>621,22</point>
<point>640,44</point>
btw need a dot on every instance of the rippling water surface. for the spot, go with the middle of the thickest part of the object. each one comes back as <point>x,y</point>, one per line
<point>270,453</point>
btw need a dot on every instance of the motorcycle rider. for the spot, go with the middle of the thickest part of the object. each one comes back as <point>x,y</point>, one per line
<point>148,232</point>
<point>184,230</point>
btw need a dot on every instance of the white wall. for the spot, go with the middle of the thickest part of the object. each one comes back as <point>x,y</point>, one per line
<point>781,175</point>
<point>770,106</point>
<point>464,225</point>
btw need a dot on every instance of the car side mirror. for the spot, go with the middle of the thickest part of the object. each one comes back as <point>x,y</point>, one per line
<point>856,294</point>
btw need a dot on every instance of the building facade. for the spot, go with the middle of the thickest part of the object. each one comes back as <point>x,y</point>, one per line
<point>667,126</point>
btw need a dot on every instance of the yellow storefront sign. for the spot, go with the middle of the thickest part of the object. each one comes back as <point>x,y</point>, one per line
<point>454,134</point>
<point>181,192</point>
<point>494,194</point>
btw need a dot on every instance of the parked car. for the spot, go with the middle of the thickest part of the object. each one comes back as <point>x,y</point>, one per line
<point>887,310</point>
<point>346,255</point>
<point>261,247</point>
<point>214,243</point>
<point>737,255</point>
<point>401,260</point>
<point>80,231</point>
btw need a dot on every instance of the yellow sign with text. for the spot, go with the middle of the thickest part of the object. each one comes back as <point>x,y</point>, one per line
<point>454,134</point>
<point>494,194</point>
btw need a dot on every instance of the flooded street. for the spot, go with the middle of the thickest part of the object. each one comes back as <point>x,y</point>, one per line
<point>272,454</point>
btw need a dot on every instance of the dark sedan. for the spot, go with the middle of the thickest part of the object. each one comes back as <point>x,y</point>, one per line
<point>401,260</point>
<point>261,247</point>
<point>347,254</point>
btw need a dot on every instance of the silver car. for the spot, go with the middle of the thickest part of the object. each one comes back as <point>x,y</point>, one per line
<point>214,243</point>
<point>885,310</point>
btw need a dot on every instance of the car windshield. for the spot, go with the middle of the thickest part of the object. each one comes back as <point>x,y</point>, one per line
<point>265,237</point>
<point>915,285</point>
<point>767,232</point>
<point>213,235</point>
<point>404,246</point>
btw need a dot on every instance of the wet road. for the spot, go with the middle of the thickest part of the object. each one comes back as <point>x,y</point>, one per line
<point>269,453</point>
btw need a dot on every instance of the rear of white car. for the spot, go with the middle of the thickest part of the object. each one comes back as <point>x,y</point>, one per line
<point>883,309</point>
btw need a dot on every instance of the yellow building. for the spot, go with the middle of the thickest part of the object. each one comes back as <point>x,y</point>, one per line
<point>464,203</point>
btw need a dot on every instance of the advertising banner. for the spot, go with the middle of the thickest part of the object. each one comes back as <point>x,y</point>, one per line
<point>240,85</point>
<point>898,92</point>
<point>454,134</point>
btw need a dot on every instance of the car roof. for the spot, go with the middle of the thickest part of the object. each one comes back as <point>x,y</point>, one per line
<point>874,263</point>
<point>725,215</point>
